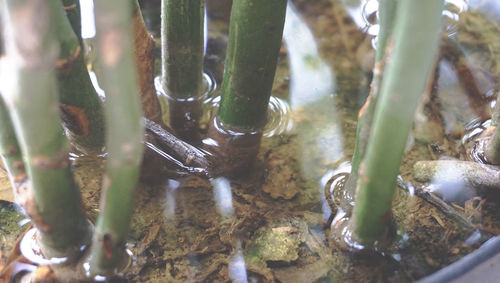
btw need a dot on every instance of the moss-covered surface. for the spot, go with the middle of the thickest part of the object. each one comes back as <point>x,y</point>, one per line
<point>12,225</point>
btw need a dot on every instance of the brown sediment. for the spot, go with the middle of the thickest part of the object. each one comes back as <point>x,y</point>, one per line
<point>144,59</point>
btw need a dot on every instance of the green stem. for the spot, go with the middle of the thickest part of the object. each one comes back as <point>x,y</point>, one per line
<point>12,158</point>
<point>81,107</point>
<point>416,37</point>
<point>492,151</point>
<point>182,63</point>
<point>255,32</point>
<point>31,97</point>
<point>387,14</point>
<point>124,135</point>
<point>9,147</point>
<point>72,8</point>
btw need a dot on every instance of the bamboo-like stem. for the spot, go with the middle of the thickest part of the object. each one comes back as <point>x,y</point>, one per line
<point>182,63</point>
<point>30,92</point>
<point>492,151</point>
<point>144,59</point>
<point>416,37</point>
<point>9,147</point>
<point>255,32</point>
<point>72,9</point>
<point>12,157</point>
<point>81,107</point>
<point>387,15</point>
<point>219,9</point>
<point>124,135</point>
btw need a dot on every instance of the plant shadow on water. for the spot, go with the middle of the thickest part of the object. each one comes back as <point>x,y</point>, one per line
<point>274,223</point>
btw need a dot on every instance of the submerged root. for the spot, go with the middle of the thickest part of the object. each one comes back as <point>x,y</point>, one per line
<point>185,155</point>
<point>457,181</point>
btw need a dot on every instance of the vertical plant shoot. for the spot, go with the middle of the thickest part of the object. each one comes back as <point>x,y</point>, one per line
<point>387,15</point>
<point>81,107</point>
<point>12,157</point>
<point>416,36</point>
<point>144,59</point>
<point>72,9</point>
<point>30,93</point>
<point>182,63</point>
<point>255,33</point>
<point>124,135</point>
<point>493,146</point>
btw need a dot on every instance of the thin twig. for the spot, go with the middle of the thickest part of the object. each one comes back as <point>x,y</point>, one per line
<point>441,205</point>
<point>190,156</point>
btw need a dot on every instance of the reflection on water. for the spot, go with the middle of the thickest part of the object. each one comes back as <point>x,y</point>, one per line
<point>223,197</point>
<point>311,77</point>
<point>236,266</point>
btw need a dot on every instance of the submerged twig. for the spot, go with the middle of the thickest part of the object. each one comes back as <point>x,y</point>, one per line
<point>441,205</point>
<point>189,155</point>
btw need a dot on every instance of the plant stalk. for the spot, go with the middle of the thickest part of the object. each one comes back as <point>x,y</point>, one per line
<point>81,107</point>
<point>12,157</point>
<point>255,32</point>
<point>416,37</point>
<point>144,45</point>
<point>387,15</point>
<point>72,9</point>
<point>492,151</point>
<point>30,93</point>
<point>182,63</point>
<point>124,137</point>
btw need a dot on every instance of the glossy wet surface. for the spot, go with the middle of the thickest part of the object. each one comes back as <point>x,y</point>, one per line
<point>274,223</point>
